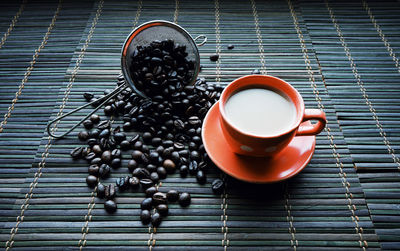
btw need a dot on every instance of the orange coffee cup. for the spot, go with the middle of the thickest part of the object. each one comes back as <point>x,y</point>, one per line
<point>245,143</point>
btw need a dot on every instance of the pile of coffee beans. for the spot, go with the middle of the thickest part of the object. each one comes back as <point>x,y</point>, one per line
<point>167,136</point>
<point>161,68</point>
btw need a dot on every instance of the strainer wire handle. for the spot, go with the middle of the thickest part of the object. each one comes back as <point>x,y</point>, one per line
<point>202,42</point>
<point>106,98</point>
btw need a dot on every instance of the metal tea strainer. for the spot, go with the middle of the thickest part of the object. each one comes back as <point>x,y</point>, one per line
<point>141,36</point>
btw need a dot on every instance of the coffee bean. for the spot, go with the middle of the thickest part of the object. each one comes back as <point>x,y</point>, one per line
<point>151,168</point>
<point>214,57</point>
<point>184,199</point>
<point>151,191</point>
<point>91,180</point>
<point>93,170</point>
<point>119,137</point>
<point>153,156</point>
<point>156,219</point>
<point>192,146</point>
<point>179,146</point>
<point>104,171</point>
<point>125,145</point>
<point>145,216</point>
<point>201,177</point>
<point>110,192</point>
<point>96,161</point>
<point>156,141</point>
<point>193,167</point>
<point>146,183</point>
<point>134,139</point>
<point>175,156</point>
<point>101,190</point>
<point>154,177</point>
<point>104,125</point>
<point>230,47</point>
<point>146,204</point>
<point>94,133</point>
<point>162,172</point>
<point>217,186</point>
<point>256,71</point>
<point>110,206</point>
<point>105,133</point>
<point>132,164</point>
<point>134,182</point>
<point>145,159</point>
<point>76,153</point>
<point>106,156</point>
<point>137,155</point>
<point>94,118</point>
<point>169,165</point>
<point>160,150</point>
<point>162,209</point>
<point>141,173</point>
<point>195,155</point>
<point>83,135</point>
<point>172,195</point>
<point>88,96</point>
<point>179,124</point>
<point>108,110</point>
<point>147,136</point>
<point>97,149</point>
<point>90,156</point>
<point>184,153</point>
<point>137,145</point>
<point>123,183</point>
<point>183,170</point>
<point>194,121</point>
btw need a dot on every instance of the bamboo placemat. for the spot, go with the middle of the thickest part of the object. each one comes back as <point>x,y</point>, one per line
<point>47,205</point>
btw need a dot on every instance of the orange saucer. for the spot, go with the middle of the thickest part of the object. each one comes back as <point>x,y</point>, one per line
<point>284,165</point>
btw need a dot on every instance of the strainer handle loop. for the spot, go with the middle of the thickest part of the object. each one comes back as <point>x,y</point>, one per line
<point>202,42</point>
<point>106,98</point>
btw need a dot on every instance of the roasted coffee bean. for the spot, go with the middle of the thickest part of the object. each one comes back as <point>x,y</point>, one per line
<point>94,118</point>
<point>134,182</point>
<point>184,199</point>
<point>217,186</point>
<point>145,149</point>
<point>183,170</point>
<point>116,163</point>
<point>97,150</point>
<point>172,195</point>
<point>134,139</point>
<point>162,209</point>
<point>116,153</point>
<point>88,96</point>
<point>153,156</point>
<point>104,171</point>
<point>108,110</point>
<point>94,133</point>
<point>147,136</point>
<point>193,167</point>
<point>195,155</point>
<point>201,177</point>
<point>168,143</point>
<point>138,145</point>
<point>160,150</point>
<point>151,168</point>
<point>175,156</point>
<point>179,124</point>
<point>83,135</point>
<point>194,121</point>
<point>202,165</point>
<point>137,155</point>
<point>146,204</point>
<point>101,190</point>
<point>150,191</point>
<point>167,152</point>
<point>230,46</point>
<point>146,183</point>
<point>256,71</point>
<point>110,192</point>
<point>169,165</point>
<point>141,173</point>
<point>127,126</point>
<point>196,139</point>
<point>184,153</point>
<point>103,125</point>
<point>125,145</point>
<point>192,146</point>
<point>132,164</point>
<point>179,146</point>
<point>214,57</point>
<point>105,133</point>
<point>123,183</point>
<point>106,156</point>
<point>159,198</point>
<point>156,141</point>
<point>91,180</point>
<point>90,156</point>
<point>156,219</point>
<point>145,159</point>
<point>145,216</point>
<point>93,170</point>
<point>119,137</point>
<point>110,206</point>
<point>162,172</point>
<point>154,177</point>
<point>77,153</point>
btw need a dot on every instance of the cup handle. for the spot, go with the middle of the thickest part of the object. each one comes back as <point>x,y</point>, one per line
<point>314,129</point>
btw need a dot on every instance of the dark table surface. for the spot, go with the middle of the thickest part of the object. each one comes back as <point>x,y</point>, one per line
<point>342,56</point>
